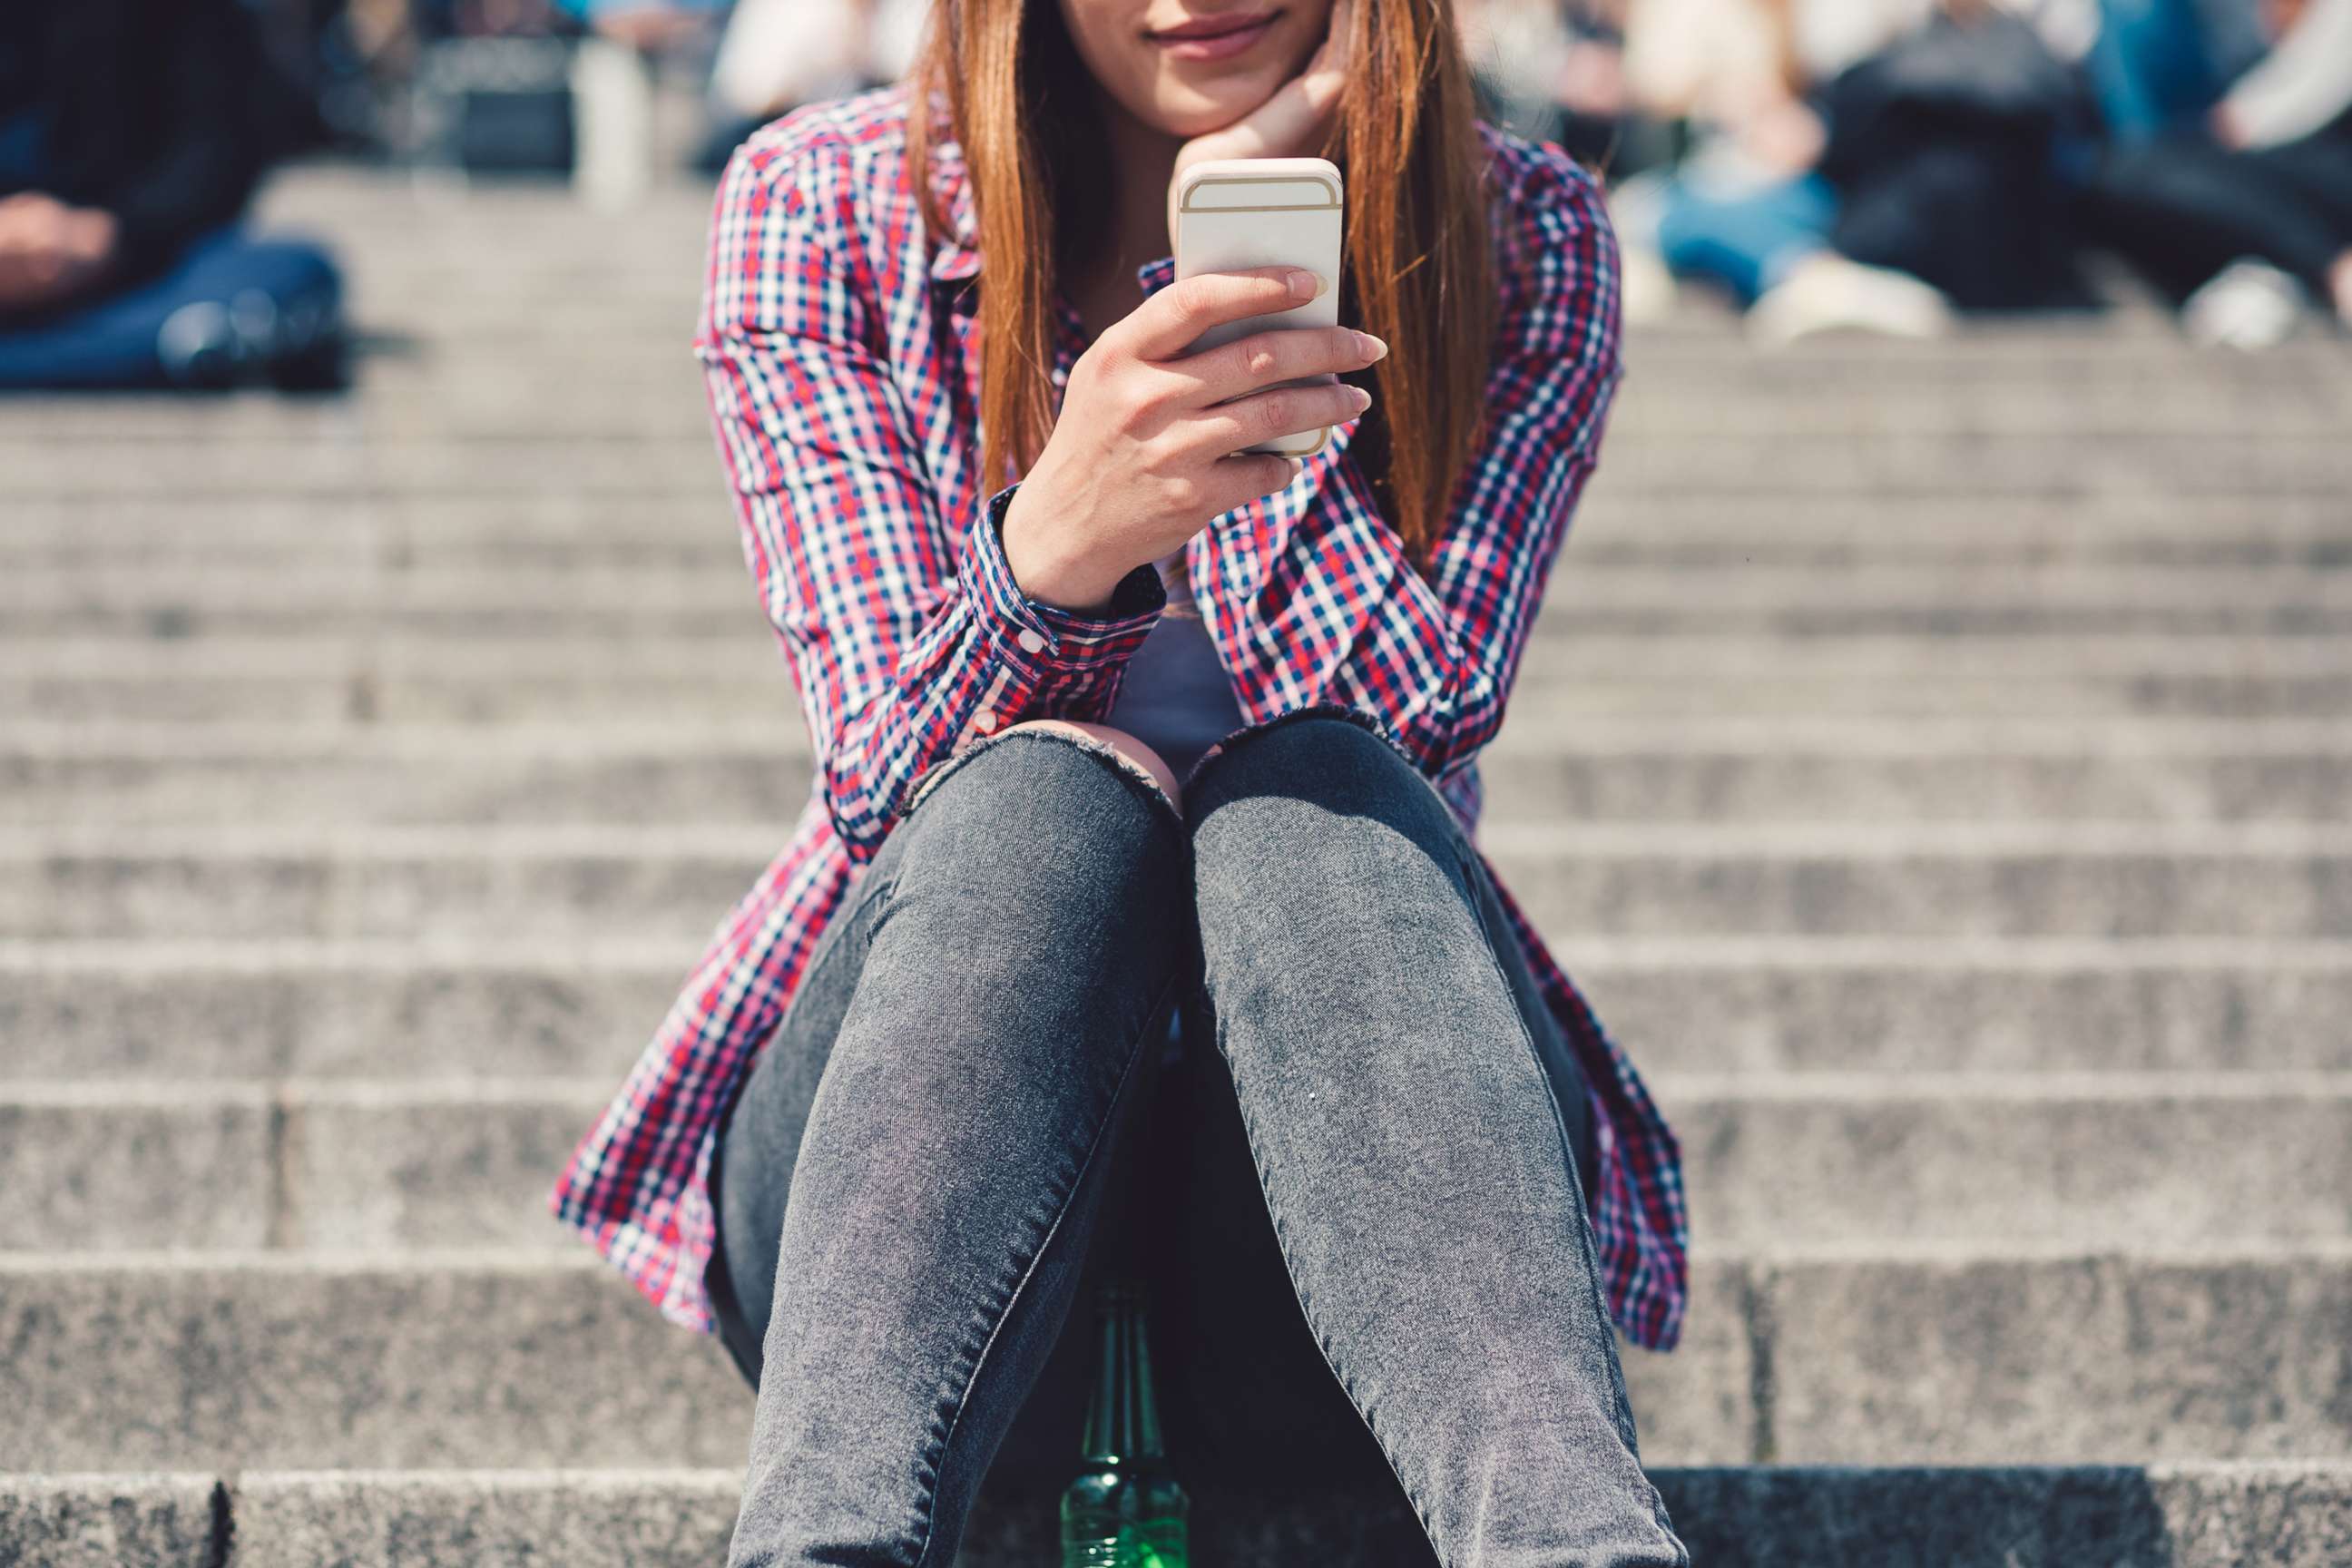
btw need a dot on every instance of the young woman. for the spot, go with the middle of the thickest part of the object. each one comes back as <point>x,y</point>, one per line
<point>1140,834</point>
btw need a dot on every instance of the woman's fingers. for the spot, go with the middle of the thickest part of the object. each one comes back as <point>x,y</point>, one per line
<point>1172,320</point>
<point>1327,73</point>
<point>1298,110</point>
<point>1283,354</point>
<point>1277,411</point>
<point>1240,479</point>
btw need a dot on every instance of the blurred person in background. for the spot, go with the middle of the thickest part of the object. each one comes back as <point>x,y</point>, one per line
<point>2242,208</point>
<point>630,46</point>
<point>1950,150</point>
<point>764,58</point>
<point>2158,66</point>
<point>1747,208</point>
<point>1860,165</point>
<point>1555,72</point>
<point>778,55</point>
<point>132,134</point>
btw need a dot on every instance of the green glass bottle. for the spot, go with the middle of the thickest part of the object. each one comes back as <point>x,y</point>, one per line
<point>1125,1509</point>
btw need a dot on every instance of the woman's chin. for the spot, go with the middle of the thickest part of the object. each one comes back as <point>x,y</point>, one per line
<point>1187,112</point>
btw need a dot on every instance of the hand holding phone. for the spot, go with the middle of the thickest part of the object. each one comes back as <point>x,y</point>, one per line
<point>1153,436</point>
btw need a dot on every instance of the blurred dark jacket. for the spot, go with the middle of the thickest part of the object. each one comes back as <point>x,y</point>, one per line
<point>155,110</point>
<point>1943,149</point>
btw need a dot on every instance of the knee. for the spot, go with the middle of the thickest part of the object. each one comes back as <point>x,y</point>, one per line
<point>1335,762</point>
<point>1124,748</point>
<point>1048,808</point>
<point>1302,808</point>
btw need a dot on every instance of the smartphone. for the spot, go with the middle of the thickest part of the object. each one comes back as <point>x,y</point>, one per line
<point>1264,211</point>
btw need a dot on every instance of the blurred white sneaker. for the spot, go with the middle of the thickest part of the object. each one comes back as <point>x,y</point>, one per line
<point>198,345</point>
<point>2248,305</point>
<point>1828,293</point>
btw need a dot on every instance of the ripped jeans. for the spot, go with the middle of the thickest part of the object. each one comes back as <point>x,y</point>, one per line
<point>1361,1220</point>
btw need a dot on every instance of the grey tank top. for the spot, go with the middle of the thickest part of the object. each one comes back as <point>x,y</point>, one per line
<point>1175,697</point>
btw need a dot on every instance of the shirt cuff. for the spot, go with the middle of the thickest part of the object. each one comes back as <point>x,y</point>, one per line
<point>1041,641</point>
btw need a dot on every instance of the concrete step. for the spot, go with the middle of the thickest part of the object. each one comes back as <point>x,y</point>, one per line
<point>413,397</point>
<point>1931,1354</point>
<point>2199,1514</point>
<point>360,200</point>
<point>142,685</point>
<point>1795,1161</point>
<point>2058,349</point>
<point>2026,465</point>
<point>2042,462</point>
<point>554,533</point>
<point>490,681</point>
<point>740,647</point>
<point>366,677</point>
<point>404,266</point>
<point>407,398</point>
<point>1698,662</point>
<point>1924,602</point>
<point>1935,1004</point>
<point>630,300</point>
<point>2267,882</point>
<point>1599,769</point>
<point>414,286</point>
<point>1743,396</point>
<point>1733,662</point>
<point>398,276</point>
<point>389,575</point>
<point>106,1010</point>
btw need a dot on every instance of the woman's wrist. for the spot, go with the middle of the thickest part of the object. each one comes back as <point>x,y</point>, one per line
<point>1049,575</point>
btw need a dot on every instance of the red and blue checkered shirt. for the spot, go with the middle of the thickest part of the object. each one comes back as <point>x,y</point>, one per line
<point>838,340</point>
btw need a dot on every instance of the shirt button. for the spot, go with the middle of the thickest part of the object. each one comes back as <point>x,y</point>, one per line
<point>984,720</point>
<point>1030,641</point>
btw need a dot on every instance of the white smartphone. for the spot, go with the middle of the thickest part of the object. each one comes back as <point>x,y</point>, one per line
<point>1264,211</point>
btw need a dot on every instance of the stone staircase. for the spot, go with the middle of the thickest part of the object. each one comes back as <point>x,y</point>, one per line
<point>1935,761</point>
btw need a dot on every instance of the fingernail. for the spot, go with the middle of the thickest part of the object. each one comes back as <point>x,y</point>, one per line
<point>1307,285</point>
<point>1373,350</point>
<point>1363,398</point>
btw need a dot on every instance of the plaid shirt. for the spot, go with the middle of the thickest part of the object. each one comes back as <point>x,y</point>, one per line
<point>838,343</point>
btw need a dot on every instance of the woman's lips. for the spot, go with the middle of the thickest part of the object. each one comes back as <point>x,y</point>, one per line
<point>1195,43</point>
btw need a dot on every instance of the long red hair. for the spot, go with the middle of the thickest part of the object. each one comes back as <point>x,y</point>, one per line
<point>1418,272</point>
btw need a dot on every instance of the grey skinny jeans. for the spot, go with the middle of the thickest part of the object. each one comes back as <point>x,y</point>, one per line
<point>1361,1223</point>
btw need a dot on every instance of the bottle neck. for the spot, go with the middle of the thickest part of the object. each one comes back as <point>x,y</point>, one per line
<point>1123,1422</point>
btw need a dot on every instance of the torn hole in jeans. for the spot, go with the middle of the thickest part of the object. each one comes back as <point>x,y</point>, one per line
<point>1078,738</point>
